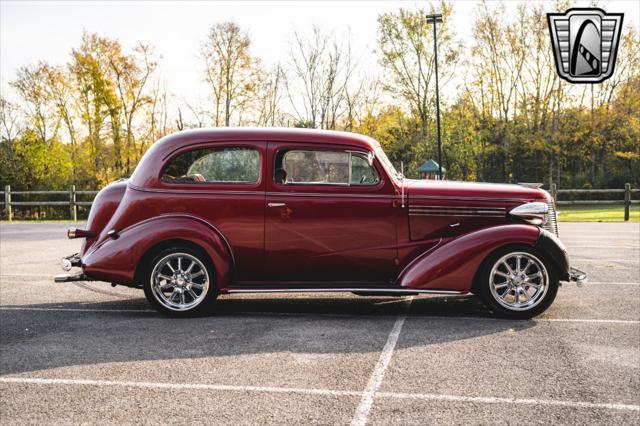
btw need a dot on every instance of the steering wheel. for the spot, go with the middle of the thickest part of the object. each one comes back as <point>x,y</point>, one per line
<point>363,179</point>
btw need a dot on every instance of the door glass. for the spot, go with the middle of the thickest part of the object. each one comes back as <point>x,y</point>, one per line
<point>316,167</point>
<point>363,173</point>
<point>325,168</point>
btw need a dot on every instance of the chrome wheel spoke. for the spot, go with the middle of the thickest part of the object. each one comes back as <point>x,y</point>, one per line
<point>193,263</point>
<point>196,275</point>
<point>511,271</point>
<point>174,294</point>
<point>196,286</point>
<point>166,286</point>
<point>501,285</point>
<point>534,276</point>
<point>193,294</point>
<point>502,274</point>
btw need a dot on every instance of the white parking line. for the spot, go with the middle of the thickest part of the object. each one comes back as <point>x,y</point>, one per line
<point>517,401</point>
<point>177,386</point>
<point>608,283</point>
<point>319,392</point>
<point>366,402</point>
<point>598,321</point>
<point>603,247</point>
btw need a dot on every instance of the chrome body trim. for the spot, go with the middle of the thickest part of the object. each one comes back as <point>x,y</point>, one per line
<point>457,211</point>
<point>342,290</point>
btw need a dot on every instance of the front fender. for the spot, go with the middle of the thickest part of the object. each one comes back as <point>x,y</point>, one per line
<point>453,265</point>
<point>116,260</point>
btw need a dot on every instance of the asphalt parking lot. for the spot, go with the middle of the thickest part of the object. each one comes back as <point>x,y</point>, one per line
<point>90,353</point>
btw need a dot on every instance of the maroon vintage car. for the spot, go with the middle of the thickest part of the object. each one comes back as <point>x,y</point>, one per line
<point>291,210</point>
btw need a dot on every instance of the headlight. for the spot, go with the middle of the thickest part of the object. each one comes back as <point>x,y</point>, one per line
<point>533,213</point>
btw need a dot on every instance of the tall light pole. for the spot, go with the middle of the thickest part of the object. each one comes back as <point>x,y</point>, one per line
<point>433,19</point>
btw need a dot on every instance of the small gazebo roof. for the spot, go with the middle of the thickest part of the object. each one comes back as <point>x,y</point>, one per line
<point>430,166</point>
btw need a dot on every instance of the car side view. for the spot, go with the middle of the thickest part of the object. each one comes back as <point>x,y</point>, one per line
<point>218,211</point>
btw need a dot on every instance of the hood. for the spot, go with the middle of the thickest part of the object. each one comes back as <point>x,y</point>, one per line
<point>473,190</point>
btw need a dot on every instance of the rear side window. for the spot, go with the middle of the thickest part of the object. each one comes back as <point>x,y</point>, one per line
<point>215,165</point>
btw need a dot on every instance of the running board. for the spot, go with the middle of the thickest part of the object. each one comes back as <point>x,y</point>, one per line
<point>408,291</point>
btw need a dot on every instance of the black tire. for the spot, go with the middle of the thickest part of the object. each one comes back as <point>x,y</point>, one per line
<point>491,297</point>
<point>204,298</point>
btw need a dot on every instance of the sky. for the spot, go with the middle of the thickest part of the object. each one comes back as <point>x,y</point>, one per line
<point>48,30</point>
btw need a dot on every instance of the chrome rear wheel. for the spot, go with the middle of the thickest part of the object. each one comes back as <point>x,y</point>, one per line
<point>179,281</point>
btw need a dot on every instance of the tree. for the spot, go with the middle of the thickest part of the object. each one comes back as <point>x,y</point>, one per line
<point>405,44</point>
<point>321,69</point>
<point>229,69</point>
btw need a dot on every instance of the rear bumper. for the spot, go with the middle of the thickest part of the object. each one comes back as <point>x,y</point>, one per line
<point>67,263</point>
<point>65,278</point>
<point>71,261</point>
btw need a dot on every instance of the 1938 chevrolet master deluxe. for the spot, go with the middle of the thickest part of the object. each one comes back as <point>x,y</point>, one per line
<point>290,210</point>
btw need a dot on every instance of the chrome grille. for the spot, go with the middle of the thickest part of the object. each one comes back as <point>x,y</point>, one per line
<point>552,219</point>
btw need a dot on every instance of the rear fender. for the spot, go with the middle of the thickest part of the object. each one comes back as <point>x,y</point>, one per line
<point>116,260</point>
<point>453,265</point>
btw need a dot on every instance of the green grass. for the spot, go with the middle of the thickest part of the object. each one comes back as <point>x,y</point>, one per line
<point>597,213</point>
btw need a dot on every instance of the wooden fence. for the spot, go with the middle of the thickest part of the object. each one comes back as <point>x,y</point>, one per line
<point>73,204</point>
<point>627,191</point>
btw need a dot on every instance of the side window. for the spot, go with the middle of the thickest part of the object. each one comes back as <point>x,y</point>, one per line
<point>215,165</point>
<point>363,173</point>
<point>314,167</point>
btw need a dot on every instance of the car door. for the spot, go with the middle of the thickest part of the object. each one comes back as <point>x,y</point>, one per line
<point>224,184</point>
<point>330,216</point>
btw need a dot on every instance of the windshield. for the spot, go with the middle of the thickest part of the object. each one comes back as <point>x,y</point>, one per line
<point>386,163</point>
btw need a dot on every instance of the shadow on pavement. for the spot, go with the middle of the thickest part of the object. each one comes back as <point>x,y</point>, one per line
<point>40,339</point>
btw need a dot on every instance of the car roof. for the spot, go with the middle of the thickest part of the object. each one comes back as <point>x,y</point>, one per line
<point>169,144</point>
<point>229,134</point>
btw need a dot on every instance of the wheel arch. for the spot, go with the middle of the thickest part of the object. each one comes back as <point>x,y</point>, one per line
<point>163,245</point>
<point>454,265</point>
<point>120,260</point>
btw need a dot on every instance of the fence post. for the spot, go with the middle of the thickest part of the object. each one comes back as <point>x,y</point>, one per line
<point>72,203</point>
<point>627,200</point>
<point>554,193</point>
<point>7,202</point>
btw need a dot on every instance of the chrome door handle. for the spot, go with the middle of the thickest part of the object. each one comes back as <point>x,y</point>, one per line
<point>276,204</point>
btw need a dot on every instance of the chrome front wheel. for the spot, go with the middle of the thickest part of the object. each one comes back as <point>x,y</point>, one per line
<point>519,281</point>
<point>179,281</point>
